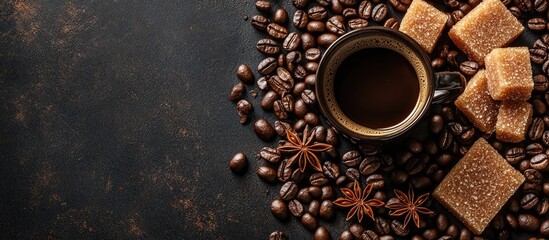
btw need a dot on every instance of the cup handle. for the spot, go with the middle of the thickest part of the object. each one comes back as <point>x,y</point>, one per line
<point>448,86</point>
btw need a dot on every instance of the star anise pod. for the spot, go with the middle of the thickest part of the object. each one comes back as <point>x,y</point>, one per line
<point>357,200</point>
<point>409,206</point>
<point>304,150</point>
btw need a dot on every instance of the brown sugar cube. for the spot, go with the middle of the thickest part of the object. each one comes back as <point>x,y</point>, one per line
<point>424,23</point>
<point>489,25</point>
<point>478,186</point>
<point>509,73</point>
<point>513,121</point>
<point>475,102</point>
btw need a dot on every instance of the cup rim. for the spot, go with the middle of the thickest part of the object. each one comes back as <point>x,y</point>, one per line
<point>349,133</point>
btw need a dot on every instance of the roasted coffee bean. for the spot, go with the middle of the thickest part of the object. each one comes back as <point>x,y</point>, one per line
<point>357,23</point>
<point>288,191</point>
<point>322,233</point>
<point>399,228</point>
<point>266,174</point>
<point>539,44</point>
<point>356,229</point>
<point>244,73</point>
<point>332,137</point>
<point>451,3</point>
<point>369,235</point>
<point>323,3</point>
<point>307,41</point>
<point>401,5</point>
<point>327,193</point>
<point>264,130</point>
<point>244,108</point>
<point>263,5</point>
<point>533,176</point>
<point>415,165</point>
<point>524,5</point>
<point>365,9</point>
<point>515,155</point>
<point>351,158</point>
<point>537,55</point>
<point>350,13</point>
<point>315,191</point>
<point>270,155</point>
<point>421,182</point>
<point>331,170</point>
<point>280,16</point>
<point>392,23</point>
<point>545,67</point>
<point>540,5</point>
<point>309,221</point>
<point>292,42</point>
<point>352,174</point>
<point>300,108</point>
<point>539,107</point>
<point>452,58</point>
<point>300,125</point>
<point>436,124</point>
<point>268,46</point>
<point>529,201</point>
<point>237,92</point>
<point>467,137</point>
<point>268,100</point>
<point>469,68</point>
<point>534,149</point>
<point>303,195</point>
<point>287,102</point>
<point>465,8</point>
<point>318,179</point>
<point>284,172</point>
<point>429,234</point>
<point>278,235</point>
<point>314,208</point>
<point>347,2</point>
<point>238,163</point>
<point>299,88</point>
<point>316,26</point>
<point>536,129</point>
<point>456,15</point>
<point>266,66</point>
<point>379,12</point>
<point>382,226</point>
<point>280,85</point>
<point>517,13</point>
<point>317,13</point>
<point>376,180</point>
<point>369,165</point>
<point>528,222</point>
<point>313,54</point>
<point>276,31</point>
<point>301,19</point>
<point>311,66</point>
<point>308,96</point>
<point>537,24</point>
<point>260,22</point>
<point>437,63</point>
<point>319,132</point>
<point>336,25</point>
<point>326,39</point>
<point>292,59</point>
<point>445,140</point>
<point>262,83</point>
<point>414,146</point>
<point>399,177</point>
<point>300,73</point>
<point>539,162</point>
<point>296,208</point>
<point>346,235</point>
<point>279,209</point>
<point>326,209</point>
<point>279,111</point>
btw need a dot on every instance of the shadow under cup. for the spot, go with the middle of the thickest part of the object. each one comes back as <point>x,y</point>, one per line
<point>353,42</point>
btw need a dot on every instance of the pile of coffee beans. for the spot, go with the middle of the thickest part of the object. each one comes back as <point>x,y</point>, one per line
<point>291,41</point>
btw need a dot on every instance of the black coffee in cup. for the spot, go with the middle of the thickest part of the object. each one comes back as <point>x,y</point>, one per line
<point>376,87</point>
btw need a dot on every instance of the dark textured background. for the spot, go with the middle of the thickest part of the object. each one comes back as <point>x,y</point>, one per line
<point>115,122</point>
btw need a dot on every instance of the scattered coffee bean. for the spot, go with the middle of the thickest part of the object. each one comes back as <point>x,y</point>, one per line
<point>301,19</point>
<point>528,222</point>
<point>280,16</point>
<point>357,23</point>
<point>276,31</point>
<point>238,163</point>
<point>266,174</point>
<point>309,221</point>
<point>237,92</point>
<point>260,22</point>
<point>279,209</point>
<point>263,5</point>
<point>538,56</point>
<point>264,130</point>
<point>278,235</point>
<point>244,108</point>
<point>379,12</point>
<point>537,24</point>
<point>469,68</point>
<point>322,233</point>
<point>334,25</point>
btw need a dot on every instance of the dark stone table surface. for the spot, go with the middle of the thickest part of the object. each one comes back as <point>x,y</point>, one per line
<point>115,122</point>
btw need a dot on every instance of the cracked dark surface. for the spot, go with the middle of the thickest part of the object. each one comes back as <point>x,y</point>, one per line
<point>116,123</point>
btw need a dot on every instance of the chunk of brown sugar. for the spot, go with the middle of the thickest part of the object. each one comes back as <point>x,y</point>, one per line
<point>509,73</point>
<point>475,102</point>
<point>478,186</point>
<point>489,25</point>
<point>424,23</point>
<point>513,121</point>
